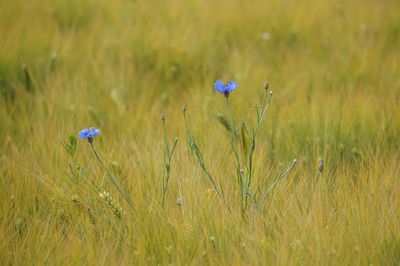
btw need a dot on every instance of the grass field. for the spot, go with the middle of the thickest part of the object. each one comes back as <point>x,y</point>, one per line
<point>333,67</point>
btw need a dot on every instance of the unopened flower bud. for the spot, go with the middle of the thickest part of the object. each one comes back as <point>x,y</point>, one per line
<point>266,86</point>
<point>321,166</point>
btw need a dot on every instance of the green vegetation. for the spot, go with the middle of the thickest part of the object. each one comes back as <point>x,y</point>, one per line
<point>334,70</point>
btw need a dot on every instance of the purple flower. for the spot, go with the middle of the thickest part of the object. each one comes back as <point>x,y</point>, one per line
<point>89,133</point>
<point>225,88</point>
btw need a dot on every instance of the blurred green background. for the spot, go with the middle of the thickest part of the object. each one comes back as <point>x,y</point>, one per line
<point>333,67</point>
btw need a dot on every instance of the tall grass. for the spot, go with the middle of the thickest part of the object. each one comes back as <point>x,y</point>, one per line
<point>117,65</point>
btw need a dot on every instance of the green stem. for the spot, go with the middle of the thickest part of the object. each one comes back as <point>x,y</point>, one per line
<point>237,158</point>
<point>111,177</point>
<point>276,181</point>
<point>252,136</point>
<point>167,163</point>
<point>196,151</point>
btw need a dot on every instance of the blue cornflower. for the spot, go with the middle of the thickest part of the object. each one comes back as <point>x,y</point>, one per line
<point>89,133</point>
<point>225,89</point>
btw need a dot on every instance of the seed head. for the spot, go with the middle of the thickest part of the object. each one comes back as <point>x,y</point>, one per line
<point>179,201</point>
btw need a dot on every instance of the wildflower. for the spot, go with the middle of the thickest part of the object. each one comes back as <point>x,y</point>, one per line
<point>89,133</point>
<point>225,88</point>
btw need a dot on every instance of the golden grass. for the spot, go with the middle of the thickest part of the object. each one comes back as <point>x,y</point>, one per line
<point>333,67</point>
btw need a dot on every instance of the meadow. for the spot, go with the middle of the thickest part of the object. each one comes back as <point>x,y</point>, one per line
<point>128,67</point>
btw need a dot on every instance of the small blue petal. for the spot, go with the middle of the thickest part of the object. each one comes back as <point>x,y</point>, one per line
<point>225,88</point>
<point>83,134</point>
<point>219,86</point>
<point>88,133</point>
<point>232,86</point>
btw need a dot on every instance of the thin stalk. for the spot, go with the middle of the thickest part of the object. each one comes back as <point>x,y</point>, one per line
<point>233,140</point>
<point>111,177</point>
<point>167,163</point>
<point>281,175</point>
<point>236,154</point>
<point>263,113</point>
<point>196,151</point>
<point>252,136</point>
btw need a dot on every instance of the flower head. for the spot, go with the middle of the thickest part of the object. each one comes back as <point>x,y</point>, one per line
<point>225,88</point>
<point>89,133</point>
